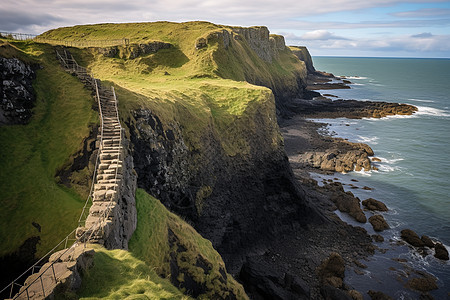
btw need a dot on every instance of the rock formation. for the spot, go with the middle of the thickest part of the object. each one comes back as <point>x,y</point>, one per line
<point>16,91</point>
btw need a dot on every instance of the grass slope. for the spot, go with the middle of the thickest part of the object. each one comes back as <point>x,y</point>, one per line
<point>31,154</point>
<point>153,244</point>
<point>117,274</point>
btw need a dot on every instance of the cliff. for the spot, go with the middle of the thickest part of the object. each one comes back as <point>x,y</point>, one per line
<point>200,110</point>
<point>303,54</point>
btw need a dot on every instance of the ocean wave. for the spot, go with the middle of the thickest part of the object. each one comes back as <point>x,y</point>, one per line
<point>362,172</point>
<point>354,83</point>
<point>421,100</point>
<point>387,168</point>
<point>365,139</point>
<point>431,111</point>
<point>353,77</point>
<point>390,160</point>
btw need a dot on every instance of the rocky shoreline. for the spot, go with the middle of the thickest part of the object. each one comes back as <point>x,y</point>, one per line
<point>311,151</point>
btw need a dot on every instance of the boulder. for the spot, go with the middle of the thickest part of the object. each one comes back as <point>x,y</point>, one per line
<point>378,238</point>
<point>412,238</point>
<point>332,270</point>
<point>423,284</point>
<point>440,252</point>
<point>378,295</point>
<point>346,202</point>
<point>427,241</point>
<point>378,223</point>
<point>372,204</point>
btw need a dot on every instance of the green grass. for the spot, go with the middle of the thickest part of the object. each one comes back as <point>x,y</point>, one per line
<point>117,274</point>
<point>31,154</point>
<point>150,243</point>
<point>204,88</point>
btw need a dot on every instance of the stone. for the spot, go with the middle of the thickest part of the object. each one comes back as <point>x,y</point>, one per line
<point>441,252</point>
<point>17,96</point>
<point>332,270</point>
<point>349,204</point>
<point>427,241</point>
<point>378,238</point>
<point>411,238</point>
<point>355,295</point>
<point>372,204</point>
<point>378,223</point>
<point>374,295</point>
<point>423,284</point>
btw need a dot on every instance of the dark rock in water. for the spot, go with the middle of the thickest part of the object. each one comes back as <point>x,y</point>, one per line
<point>330,292</point>
<point>427,241</point>
<point>378,238</point>
<point>412,238</point>
<point>367,188</point>
<point>352,109</point>
<point>378,295</point>
<point>372,204</point>
<point>376,159</point>
<point>263,282</point>
<point>441,251</point>
<point>423,284</point>
<point>355,295</point>
<point>332,270</point>
<point>378,223</point>
<point>347,203</point>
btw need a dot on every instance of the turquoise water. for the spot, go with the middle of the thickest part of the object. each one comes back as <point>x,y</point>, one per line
<point>414,174</point>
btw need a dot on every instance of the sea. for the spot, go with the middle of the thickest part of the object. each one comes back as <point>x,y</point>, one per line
<point>413,179</point>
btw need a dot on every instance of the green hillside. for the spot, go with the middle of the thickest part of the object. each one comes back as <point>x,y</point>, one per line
<point>32,154</point>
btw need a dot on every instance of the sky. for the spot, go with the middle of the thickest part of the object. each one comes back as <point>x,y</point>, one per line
<point>376,28</point>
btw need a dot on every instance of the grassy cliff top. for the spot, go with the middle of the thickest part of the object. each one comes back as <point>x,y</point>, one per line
<point>205,76</point>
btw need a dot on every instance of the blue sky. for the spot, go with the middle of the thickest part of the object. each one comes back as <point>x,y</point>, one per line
<point>327,27</point>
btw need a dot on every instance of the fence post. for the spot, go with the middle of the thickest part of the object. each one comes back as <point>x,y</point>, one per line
<point>42,284</point>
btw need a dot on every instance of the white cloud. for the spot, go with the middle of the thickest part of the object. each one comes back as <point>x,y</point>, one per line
<point>277,14</point>
<point>423,13</point>
<point>420,43</point>
<point>321,35</point>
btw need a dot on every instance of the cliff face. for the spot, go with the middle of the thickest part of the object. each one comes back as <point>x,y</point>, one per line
<point>238,202</point>
<point>274,66</point>
<point>16,91</point>
<point>303,54</point>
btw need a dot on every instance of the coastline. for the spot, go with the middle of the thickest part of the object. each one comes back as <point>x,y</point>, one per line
<point>310,148</point>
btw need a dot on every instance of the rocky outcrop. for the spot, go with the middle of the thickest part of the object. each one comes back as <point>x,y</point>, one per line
<point>337,161</point>
<point>374,205</point>
<point>256,56</point>
<point>303,54</point>
<point>60,275</point>
<point>378,223</point>
<point>346,202</point>
<point>441,252</point>
<point>351,109</point>
<point>17,95</point>
<point>236,201</point>
<point>412,238</point>
<point>134,50</point>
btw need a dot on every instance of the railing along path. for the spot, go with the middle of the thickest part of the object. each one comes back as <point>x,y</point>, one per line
<point>66,43</point>
<point>94,223</point>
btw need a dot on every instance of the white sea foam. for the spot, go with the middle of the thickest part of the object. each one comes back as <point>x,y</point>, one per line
<point>354,77</point>
<point>431,111</point>
<point>421,100</point>
<point>390,160</point>
<point>354,83</point>
<point>366,139</point>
